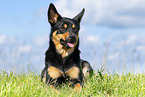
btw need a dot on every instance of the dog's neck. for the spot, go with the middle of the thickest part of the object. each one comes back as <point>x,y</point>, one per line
<point>64,52</point>
<point>52,54</point>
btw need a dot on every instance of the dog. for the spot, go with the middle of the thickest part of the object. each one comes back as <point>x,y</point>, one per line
<point>62,59</point>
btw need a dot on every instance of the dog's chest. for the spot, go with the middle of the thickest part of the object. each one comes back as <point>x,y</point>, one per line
<point>64,52</point>
<point>56,73</point>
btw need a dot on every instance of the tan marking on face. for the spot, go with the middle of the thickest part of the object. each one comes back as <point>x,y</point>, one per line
<point>56,38</point>
<point>54,72</point>
<point>59,47</point>
<point>73,26</point>
<point>65,35</point>
<point>73,72</point>
<point>65,26</point>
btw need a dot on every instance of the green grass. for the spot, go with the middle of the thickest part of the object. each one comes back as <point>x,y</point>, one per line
<point>29,85</point>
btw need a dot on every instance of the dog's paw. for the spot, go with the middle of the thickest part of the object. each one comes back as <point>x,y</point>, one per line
<point>78,87</point>
<point>54,89</point>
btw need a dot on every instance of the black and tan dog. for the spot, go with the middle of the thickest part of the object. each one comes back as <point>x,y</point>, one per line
<point>62,61</point>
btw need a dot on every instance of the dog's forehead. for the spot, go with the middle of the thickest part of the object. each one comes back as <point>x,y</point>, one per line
<point>68,20</point>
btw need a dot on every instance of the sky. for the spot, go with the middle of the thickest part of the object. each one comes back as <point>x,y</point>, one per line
<point>112,33</point>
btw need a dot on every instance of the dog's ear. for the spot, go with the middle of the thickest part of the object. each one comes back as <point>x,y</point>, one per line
<point>79,16</point>
<point>53,15</point>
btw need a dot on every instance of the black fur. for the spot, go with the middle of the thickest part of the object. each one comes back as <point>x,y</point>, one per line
<point>55,59</point>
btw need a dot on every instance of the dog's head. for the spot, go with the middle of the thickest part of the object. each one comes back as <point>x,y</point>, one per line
<point>64,31</point>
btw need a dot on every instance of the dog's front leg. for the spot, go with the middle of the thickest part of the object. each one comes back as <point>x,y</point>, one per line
<point>75,75</point>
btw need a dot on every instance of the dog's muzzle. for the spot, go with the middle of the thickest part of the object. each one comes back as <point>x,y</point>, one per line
<point>69,42</point>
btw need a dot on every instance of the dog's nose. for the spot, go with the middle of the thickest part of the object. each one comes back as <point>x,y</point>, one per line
<point>72,36</point>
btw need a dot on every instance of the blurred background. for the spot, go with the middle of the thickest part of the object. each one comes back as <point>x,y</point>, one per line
<point>112,34</point>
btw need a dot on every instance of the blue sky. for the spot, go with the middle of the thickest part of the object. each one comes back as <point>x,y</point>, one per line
<point>24,32</point>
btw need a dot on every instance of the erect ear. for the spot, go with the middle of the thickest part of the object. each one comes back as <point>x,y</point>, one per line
<point>79,16</point>
<point>53,15</point>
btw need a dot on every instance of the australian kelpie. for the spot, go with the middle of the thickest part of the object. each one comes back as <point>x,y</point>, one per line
<point>62,61</point>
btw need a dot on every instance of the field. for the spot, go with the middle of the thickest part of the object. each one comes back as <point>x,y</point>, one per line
<point>99,85</point>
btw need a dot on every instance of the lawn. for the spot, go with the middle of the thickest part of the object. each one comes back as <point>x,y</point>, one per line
<point>99,85</point>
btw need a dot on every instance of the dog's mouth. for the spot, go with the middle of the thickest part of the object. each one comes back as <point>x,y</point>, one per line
<point>68,43</point>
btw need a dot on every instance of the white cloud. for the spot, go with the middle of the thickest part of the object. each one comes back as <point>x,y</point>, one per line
<point>24,49</point>
<point>114,13</point>
<point>41,40</point>
<point>131,39</point>
<point>113,56</point>
<point>2,39</point>
<point>93,39</point>
<point>141,48</point>
<point>90,40</point>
